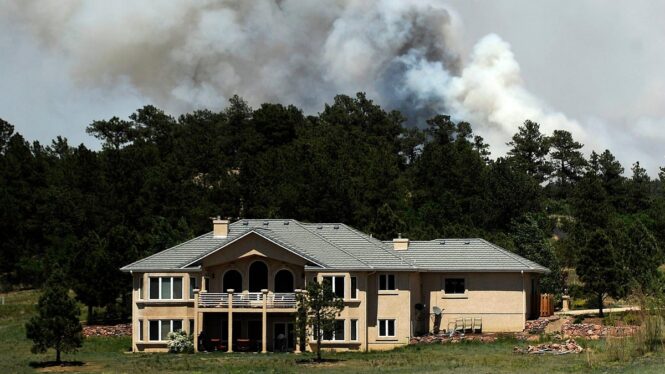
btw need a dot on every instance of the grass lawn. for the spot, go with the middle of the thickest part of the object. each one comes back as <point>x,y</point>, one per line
<point>109,355</point>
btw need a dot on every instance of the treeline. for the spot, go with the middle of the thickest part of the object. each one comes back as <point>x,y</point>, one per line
<point>158,179</point>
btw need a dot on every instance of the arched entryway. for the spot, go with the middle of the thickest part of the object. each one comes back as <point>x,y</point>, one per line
<point>284,281</point>
<point>232,279</point>
<point>258,276</point>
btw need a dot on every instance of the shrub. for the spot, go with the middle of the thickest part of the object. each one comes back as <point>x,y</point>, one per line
<point>180,342</point>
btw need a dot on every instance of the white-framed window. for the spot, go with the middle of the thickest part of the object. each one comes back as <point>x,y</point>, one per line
<point>140,332</point>
<point>140,287</point>
<point>337,284</point>
<point>192,286</point>
<point>160,328</point>
<point>387,282</point>
<point>165,288</point>
<point>387,328</point>
<point>354,330</point>
<point>454,286</point>
<point>336,333</point>
<point>354,288</point>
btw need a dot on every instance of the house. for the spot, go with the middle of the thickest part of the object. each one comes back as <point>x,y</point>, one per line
<point>237,284</point>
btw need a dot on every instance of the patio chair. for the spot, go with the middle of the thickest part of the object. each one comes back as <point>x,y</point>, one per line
<point>468,324</point>
<point>477,324</point>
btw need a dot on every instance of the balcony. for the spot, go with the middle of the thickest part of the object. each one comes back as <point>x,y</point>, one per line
<point>248,300</point>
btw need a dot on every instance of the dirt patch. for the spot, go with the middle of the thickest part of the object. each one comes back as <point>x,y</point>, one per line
<point>66,367</point>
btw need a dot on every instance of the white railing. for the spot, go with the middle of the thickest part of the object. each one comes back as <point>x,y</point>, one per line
<point>247,300</point>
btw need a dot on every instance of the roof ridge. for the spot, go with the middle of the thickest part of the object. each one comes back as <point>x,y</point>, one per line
<point>333,244</point>
<point>166,250</point>
<point>364,237</point>
<point>515,256</point>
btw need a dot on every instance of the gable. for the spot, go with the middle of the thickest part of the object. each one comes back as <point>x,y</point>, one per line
<point>252,245</point>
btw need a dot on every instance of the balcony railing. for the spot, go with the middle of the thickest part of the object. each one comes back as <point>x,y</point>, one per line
<point>247,300</point>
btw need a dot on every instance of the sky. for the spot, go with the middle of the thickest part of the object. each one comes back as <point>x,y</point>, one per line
<point>590,67</point>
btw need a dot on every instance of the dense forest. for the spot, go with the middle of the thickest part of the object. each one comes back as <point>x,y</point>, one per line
<point>158,179</point>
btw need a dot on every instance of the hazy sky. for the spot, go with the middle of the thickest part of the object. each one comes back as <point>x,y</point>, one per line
<point>592,67</point>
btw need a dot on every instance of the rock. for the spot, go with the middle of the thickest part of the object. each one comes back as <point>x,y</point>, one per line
<point>124,329</point>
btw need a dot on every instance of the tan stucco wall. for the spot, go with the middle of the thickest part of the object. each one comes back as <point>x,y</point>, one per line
<point>497,298</point>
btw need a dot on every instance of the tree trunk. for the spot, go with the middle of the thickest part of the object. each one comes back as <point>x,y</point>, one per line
<point>90,313</point>
<point>57,354</point>
<point>318,336</point>
<point>600,305</point>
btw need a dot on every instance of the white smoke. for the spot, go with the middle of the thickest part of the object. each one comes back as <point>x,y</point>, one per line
<point>185,55</point>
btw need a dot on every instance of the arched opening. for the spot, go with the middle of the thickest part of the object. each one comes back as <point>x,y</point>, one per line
<point>284,281</point>
<point>232,279</point>
<point>258,276</point>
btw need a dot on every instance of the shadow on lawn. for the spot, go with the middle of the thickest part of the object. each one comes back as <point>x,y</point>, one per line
<point>313,361</point>
<point>48,364</point>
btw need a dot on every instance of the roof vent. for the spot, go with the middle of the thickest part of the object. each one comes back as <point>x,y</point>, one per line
<point>265,223</point>
<point>319,227</point>
<point>442,242</point>
<point>467,241</point>
<point>286,223</point>
<point>336,227</point>
<point>245,223</point>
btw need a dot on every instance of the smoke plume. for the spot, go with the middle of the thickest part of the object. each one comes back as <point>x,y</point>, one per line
<point>188,55</point>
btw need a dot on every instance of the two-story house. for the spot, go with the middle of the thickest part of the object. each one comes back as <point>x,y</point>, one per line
<point>235,287</point>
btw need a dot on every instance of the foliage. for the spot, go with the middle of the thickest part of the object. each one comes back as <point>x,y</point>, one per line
<point>57,324</point>
<point>180,342</point>
<point>318,307</point>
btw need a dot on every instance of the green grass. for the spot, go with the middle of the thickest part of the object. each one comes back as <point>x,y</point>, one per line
<point>109,355</point>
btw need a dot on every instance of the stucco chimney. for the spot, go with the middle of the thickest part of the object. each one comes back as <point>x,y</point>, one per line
<point>400,244</point>
<point>220,227</point>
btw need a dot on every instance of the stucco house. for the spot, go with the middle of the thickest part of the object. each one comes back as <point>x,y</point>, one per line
<point>237,284</point>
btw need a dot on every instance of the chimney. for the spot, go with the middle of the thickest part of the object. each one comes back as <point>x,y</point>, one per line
<point>400,244</point>
<point>220,227</point>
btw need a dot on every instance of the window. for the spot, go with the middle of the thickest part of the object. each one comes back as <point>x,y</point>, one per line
<point>337,332</point>
<point>140,330</point>
<point>191,327</point>
<point>454,286</point>
<point>354,330</point>
<point>160,329</point>
<point>140,287</point>
<point>192,286</point>
<point>165,288</point>
<point>387,282</point>
<point>337,283</point>
<point>386,327</point>
<point>354,287</point>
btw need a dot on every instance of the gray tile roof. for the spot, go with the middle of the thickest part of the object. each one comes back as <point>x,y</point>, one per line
<point>340,247</point>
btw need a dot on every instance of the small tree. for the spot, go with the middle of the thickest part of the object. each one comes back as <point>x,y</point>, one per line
<point>600,268</point>
<point>318,307</point>
<point>57,323</point>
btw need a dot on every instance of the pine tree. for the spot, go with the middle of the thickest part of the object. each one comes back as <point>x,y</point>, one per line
<point>566,157</point>
<point>529,151</point>
<point>600,267</point>
<point>56,324</point>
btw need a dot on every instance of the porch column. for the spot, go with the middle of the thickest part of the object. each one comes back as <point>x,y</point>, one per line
<point>230,329</point>
<point>296,331</point>
<point>264,332</point>
<point>197,321</point>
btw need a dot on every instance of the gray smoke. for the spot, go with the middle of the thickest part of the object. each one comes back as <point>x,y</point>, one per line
<point>189,55</point>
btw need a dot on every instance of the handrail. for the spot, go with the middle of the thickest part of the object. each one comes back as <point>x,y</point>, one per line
<point>247,300</point>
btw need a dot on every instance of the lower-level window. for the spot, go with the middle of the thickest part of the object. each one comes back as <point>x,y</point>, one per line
<point>140,330</point>
<point>354,330</point>
<point>336,333</point>
<point>386,327</point>
<point>160,329</point>
<point>191,327</point>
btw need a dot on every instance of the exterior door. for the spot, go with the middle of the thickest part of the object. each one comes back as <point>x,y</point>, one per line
<point>284,337</point>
